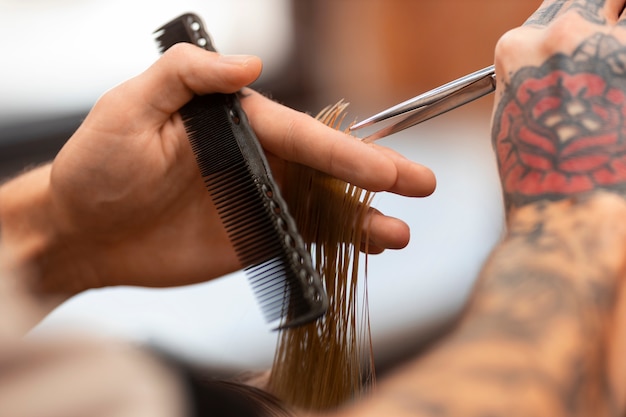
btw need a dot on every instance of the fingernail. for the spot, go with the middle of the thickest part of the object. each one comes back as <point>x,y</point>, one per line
<point>241,60</point>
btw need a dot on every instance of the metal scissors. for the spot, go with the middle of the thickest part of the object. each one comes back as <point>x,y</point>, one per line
<point>431,103</point>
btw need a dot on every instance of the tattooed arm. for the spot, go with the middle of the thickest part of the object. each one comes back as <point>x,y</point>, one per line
<point>544,333</point>
<point>537,337</point>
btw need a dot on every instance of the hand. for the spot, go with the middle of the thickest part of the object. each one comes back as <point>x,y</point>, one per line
<point>125,197</point>
<point>559,124</point>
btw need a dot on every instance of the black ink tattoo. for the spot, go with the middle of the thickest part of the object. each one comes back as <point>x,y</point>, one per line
<point>513,317</point>
<point>603,48</point>
<point>591,10</point>
<point>545,15</point>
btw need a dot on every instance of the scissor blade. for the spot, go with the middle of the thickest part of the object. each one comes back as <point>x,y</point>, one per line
<point>463,96</point>
<point>429,98</point>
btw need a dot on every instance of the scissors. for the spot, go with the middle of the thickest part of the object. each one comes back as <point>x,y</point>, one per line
<point>431,103</point>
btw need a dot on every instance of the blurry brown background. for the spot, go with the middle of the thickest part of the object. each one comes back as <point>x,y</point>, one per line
<point>375,53</point>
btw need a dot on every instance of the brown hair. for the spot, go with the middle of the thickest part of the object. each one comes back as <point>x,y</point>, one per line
<point>321,365</point>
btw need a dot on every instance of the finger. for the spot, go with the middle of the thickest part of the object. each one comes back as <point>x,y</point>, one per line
<point>408,174</point>
<point>384,232</point>
<point>618,8</point>
<point>182,71</point>
<point>547,12</point>
<point>371,249</point>
<point>297,137</point>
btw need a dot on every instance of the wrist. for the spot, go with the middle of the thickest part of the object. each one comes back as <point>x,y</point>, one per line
<point>584,232</point>
<point>24,215</point>
<point>30,232</point>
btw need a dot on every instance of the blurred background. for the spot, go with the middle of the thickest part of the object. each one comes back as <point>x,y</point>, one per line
<point>59,56</point>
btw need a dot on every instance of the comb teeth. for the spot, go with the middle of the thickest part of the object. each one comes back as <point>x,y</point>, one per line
<point>278,298</point>
<point>227,177</point>
<point>264,236</point>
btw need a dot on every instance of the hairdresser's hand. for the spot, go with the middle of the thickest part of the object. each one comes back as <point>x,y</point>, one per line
<point>560,117</point>
<point>123,203</point>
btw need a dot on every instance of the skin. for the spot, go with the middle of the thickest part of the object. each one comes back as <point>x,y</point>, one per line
<point>148,220</point>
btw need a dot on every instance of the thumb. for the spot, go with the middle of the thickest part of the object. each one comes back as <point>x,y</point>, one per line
<point>182,71</point>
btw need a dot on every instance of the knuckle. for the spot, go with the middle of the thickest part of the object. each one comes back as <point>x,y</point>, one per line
<point>510,42</point>
<point>564,33</point>
<point>178,51</point>
<point>290,137</point>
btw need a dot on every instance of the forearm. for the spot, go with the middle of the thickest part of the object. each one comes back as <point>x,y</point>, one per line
<point>547,301</point>
<point>540,336</point>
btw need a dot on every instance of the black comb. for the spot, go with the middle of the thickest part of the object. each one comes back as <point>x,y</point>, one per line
<point>237,176</point>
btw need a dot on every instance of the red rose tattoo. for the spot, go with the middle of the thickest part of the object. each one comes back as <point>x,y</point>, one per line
<point>560,132</point>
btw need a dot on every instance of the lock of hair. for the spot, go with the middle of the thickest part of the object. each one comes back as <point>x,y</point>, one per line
<point>321,365</point>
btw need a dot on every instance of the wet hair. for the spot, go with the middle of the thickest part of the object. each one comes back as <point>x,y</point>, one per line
<point>322,365</point>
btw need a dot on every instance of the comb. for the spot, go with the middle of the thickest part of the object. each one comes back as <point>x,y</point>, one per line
<point>237,175</point>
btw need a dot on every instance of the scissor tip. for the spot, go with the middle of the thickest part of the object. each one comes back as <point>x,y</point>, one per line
<point>362,124</point>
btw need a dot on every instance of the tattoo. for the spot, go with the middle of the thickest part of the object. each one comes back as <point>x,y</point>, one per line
<point>532,339</point>
<point>545,15</point>
<point>591,10</point>
<point>561,128</point>
<point>601,48</point>
<point>510,316</point>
